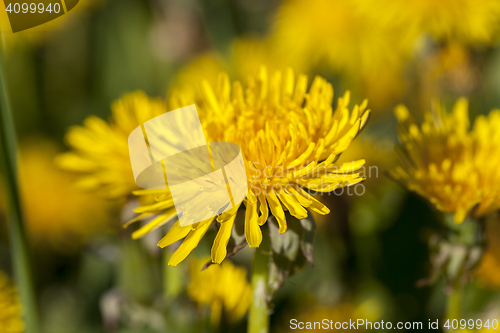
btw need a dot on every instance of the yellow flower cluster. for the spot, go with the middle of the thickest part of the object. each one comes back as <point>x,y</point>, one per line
<point>445,162</point>
<point>222,287</point>
<point>369,42</point>
<point>289,136</point>
<point>10,308</point>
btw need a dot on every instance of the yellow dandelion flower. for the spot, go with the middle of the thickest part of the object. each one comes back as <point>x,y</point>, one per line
<point>56,214</point>
<point>289,136</point>
<point>445,162</point>
<point>100,149</point>
<point>466,21</point>
<point>223,287</point>
<point>10,308</point>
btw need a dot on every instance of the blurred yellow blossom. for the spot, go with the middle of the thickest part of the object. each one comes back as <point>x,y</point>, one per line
<point>56,213</point>
<point>245,58</point>
<point>100,149</point>
<point>290,137</point>
<point>347,37</point>
<point>10,308</point>
<point>474,22</point>
<point>451,166</point>
<point>223,287</point>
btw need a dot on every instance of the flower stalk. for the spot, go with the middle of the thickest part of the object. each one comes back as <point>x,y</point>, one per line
<point>17,235</point>
<point>454,310</point>
<point>172,278</point>
<point>258,321</point>
<point>465,251</point>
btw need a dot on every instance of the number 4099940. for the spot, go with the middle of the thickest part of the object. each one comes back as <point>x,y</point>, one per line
<point>471,324</point>
<point>33,8</point>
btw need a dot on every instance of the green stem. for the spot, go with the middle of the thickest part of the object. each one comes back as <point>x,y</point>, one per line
<point>172,277</point>
<point>17,236</point>
<point>454,308</point>
<point>258,321</point>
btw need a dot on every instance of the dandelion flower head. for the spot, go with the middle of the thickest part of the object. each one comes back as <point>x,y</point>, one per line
<point>449,164</point>
<point>290,137</point>
<point>346,37</point>
<point>464,21</point>
<point>224,288</point>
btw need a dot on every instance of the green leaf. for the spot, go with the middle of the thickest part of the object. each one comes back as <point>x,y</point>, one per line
<point>290,250</point>
<point>308,233</point>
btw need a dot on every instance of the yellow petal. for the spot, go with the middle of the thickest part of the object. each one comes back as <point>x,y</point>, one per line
<point>293,205</point>
<point>174,234</point>
<point>228,214</point>
<point>301,199</point>
<point>135,219</point>
<point>277,210</point>
<point>264,210</point>
<point>74,162</point>
<point>316,206</point>
<point>219,249</point>
<point>364,119</point>
<point>156,223</point>
<point>189,243</point>
<point>402,113</point>
<point>158,206</point>
<point>253,234</point>
<point>459,216</point>
<point>303,157</point>
<point>150,192</point>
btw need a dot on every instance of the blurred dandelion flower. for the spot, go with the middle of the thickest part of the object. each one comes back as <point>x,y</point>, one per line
<point>56,214</point>
<point>100,149</point>
<point>10,308</point>
<point>223,287</point>
<point>465,21</point>
<point>290,138</point>
<point>346,37</point>
<point>451,166</point>
<point>245,57</point>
